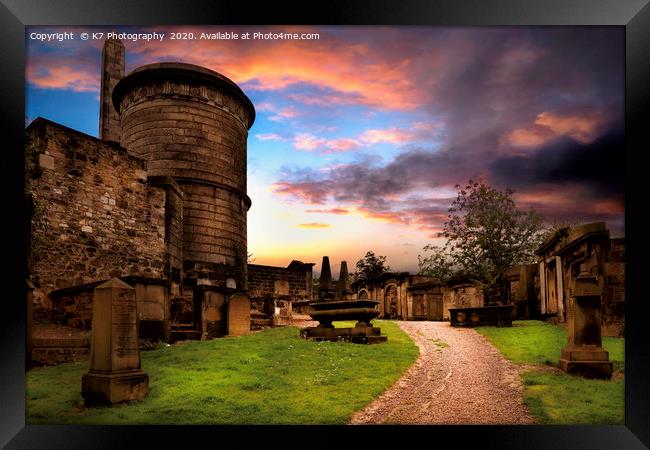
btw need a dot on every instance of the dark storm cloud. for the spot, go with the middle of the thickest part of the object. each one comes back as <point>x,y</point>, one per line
<point>562,86</point>
<point>598,165</point>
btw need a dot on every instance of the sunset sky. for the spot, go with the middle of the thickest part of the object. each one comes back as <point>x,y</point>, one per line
<point>361,135</point>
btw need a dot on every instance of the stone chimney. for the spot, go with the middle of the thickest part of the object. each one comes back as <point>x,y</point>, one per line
<point>112,72</point>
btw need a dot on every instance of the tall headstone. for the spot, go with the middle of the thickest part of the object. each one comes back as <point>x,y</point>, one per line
<point>239,315</point>
<point>115,373</point>
<point>584,354</point>
<point>110,128</point>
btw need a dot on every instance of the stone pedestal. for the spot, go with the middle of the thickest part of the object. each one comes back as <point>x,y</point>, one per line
<point>363,311</point>
<point>239,315</point>
<point>115,373</point>
<point>584,354</point>
<point>334,305</point>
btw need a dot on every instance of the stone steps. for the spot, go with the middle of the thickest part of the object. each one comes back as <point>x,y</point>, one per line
<point>176,336</point>
<point>183,332</point>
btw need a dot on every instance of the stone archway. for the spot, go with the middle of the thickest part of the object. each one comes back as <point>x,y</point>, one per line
<point>363,295</point>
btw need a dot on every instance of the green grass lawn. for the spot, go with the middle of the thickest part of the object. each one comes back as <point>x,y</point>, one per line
<point>556,397</point>
<point>270,377</point>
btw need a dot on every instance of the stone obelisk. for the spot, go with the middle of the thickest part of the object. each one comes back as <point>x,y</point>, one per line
<point>110,128</point>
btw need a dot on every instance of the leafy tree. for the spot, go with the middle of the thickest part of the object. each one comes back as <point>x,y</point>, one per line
<point>370,268</point>
<point>439,263</point>
<point>487,234</point>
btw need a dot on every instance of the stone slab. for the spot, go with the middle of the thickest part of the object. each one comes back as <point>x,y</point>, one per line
<point>239,315</point>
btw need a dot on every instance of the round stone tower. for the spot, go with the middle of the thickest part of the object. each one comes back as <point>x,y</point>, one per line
<point>191,124</point>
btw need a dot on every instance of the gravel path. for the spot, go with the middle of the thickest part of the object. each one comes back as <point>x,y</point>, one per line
<point>459,378</point>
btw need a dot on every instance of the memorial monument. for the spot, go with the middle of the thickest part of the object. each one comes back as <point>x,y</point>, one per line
<point>584,354</point>
<point>115,373</point>
<point>339,304</point>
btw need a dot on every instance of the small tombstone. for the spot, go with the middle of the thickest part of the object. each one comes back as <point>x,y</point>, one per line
<point>212,313</point>
<point>115,373</point>
<point>239,315</point>
<point>281,287</point>
<point>584,354</point>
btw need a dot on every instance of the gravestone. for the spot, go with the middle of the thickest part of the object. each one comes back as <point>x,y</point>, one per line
<point>115,373</point>
<point>281,287</point>
<point>212,320</point>
<point>239,315</point>
<point>29,325</point>
<point>584,354</point>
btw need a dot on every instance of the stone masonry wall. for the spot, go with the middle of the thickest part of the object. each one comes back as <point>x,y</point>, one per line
<point>261,281</point>
<point>191,124</point>
<point>100,218</point>
<point>614,292</point>
<point>173,261</point>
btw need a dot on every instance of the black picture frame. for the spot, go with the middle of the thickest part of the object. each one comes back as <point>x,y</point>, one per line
<point>634,15</point>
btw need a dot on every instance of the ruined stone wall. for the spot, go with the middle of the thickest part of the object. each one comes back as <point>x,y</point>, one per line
<point>261,281</point>
<point>614,292</point>
<point>585,247</point>
<point>98,216</point>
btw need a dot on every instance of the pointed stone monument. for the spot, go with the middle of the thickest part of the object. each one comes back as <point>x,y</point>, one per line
<point>325,280</point>
<point>343,285</point>
<point>115,373</point>
<point>335,305</point>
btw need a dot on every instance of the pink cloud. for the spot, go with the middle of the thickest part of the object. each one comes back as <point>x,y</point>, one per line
<point>358,74</point>
<point>391,135</point>
<point>284,113</point>
<point>269,137</point>
<point>77,78</point>
<point>329,211</point>
<point>583,128</point>
<point>309,142</point>
<point>314,225</point>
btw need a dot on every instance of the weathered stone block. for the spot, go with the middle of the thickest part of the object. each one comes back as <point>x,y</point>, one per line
<point>115,373</point>
<point>239,315</point>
